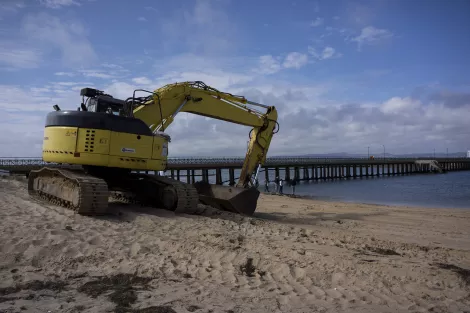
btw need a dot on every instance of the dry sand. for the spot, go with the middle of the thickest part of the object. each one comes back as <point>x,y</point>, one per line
<point>307,256</point>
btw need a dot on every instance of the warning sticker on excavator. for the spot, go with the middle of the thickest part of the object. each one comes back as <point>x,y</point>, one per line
<point>128,150</point>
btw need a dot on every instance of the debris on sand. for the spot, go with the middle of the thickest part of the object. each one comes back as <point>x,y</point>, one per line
<point>249,269</point>
<point>154,309</point>
<point>122,285</point>
<point>34,285</point>
<point>150,309</point>
<point>382,251</point>
<point>193,308</point>
<point>462,272</point>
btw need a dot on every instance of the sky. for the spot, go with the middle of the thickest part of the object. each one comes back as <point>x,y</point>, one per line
<point>344,75</point>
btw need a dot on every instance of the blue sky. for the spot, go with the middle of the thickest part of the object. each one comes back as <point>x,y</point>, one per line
<point>344,75</point>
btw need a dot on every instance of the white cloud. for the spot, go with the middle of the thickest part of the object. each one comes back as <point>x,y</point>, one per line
<point>370,35</point>
<point>295,60</point>
<point>269,64</point>
<point>399,105</point>
<point>142,19</point>
<point>201,63</point>
<point>15,98</point>
<point>120,90</point>
<point>152,9</point>
<point>20,57</point>
<point>64,74</point>
<point>309,121</point>
<point>69,37</point>
<point>317,22</point>
<point>9,7</point>
<point>325,54</point>
<point>142,80</point>
<point>328,53</point>
<point>206,27</point>
<point>72,83</point>
<point>55,4</point>
<point>96,74</point>
<point>40,37</point>
<point>112,66</point>
<point>217,78</point>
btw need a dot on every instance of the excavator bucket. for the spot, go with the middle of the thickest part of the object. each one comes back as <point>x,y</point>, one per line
<point>233,199</point>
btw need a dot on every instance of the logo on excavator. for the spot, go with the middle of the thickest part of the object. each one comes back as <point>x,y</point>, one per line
<point>130,150</point>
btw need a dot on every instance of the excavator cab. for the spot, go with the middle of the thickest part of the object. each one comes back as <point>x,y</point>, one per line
<point>99,102</point>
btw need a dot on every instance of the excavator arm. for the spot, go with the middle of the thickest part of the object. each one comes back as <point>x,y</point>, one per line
<point>159,109</point>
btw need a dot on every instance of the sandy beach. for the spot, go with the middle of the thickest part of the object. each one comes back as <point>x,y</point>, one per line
<point>293,255</point>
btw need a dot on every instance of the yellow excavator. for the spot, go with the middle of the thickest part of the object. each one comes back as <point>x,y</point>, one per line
<point>112,141</point>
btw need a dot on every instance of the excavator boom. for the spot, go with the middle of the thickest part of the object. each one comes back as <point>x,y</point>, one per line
<point>159,109</point>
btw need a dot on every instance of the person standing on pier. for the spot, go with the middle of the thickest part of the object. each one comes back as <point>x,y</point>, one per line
<point>266,185</point>
<point>276,184</point>
<point>280,186</point>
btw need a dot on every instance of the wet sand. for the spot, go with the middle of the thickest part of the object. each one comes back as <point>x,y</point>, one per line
<point>293,255</point>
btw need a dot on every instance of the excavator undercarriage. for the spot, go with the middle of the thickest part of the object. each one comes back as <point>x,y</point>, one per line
<point>87,194</point>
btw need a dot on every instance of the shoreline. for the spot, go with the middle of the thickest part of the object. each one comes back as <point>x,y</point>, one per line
<point>332,198</point>
<point>358,202</point>
<point>325,199</point>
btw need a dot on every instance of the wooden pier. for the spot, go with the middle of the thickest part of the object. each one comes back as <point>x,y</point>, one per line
<point>326,170</point>
<point>224,170</point>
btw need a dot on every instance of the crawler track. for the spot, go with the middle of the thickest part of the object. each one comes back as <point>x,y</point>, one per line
<point>83,193</point>
<point>88,194</point>
<point>185,195</point>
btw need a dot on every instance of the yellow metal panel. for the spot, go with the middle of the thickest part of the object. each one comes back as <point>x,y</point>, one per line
<point>131,145</point>
<point>106,160</point>
<point>60,139</point>
<point>77,158</point>
<point>160,148</point>
<point>93,146</point>
<point>58,143</point>
<point>202,101</point>
<point>93,141</point>
<point>102,141</point>
<point>136,164</point>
